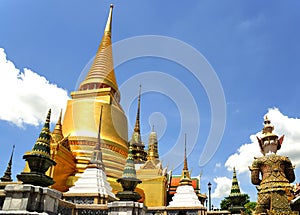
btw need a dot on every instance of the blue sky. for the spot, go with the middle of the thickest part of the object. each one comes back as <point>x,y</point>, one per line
<point>252,46</point>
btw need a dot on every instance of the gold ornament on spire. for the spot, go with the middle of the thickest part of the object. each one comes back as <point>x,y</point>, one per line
<point>153,146</point>
<point>185,174</point>
<point>57,134</point>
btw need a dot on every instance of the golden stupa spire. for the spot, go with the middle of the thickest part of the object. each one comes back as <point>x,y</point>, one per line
<point>139,154</point>
<point>109,20</point>
<point>101,73</point>
<point>185,166</point>
<point>153,146</point>
<point>57,134</point>
<point>185,175</point>
<point>137,121</point>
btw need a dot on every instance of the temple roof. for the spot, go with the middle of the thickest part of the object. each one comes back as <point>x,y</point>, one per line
<point>175,182</point>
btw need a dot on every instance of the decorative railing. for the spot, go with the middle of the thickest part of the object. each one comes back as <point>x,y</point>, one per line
<point>69,208</point>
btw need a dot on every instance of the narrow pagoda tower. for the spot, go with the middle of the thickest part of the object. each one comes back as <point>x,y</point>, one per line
<point>7,175</point>
<point>138,147</point>
<point>99,88</point>
<point>39,159</point>
<point>128,197</point>
<point>57,134</point>
<point>129,180</point>
<point>185,195</point>
<point>235,188</point>
<point>235,196</point>
<point>153,146</point>
<point>61,153</point>
<point>185,174</point>
<point>153,176</point>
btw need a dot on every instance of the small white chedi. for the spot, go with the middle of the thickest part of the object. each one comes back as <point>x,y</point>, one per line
<point>185,195</point>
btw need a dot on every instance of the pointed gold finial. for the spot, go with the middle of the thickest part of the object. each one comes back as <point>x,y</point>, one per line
<point>267,121</point>
<point>101,73</point>
<point>268,128</point>
<point>57,134</point>
<point>185,166</point>
<point>109,19</point>
<point>185,175</point>
<point>137,121</point>
<point>58,124</point>
<point>153,146</point>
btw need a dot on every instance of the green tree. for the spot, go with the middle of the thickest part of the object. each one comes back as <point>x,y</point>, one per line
<point>250,208</point>
<point>225,203</point>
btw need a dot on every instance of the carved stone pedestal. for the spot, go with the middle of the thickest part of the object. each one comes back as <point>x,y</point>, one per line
<point>126,208</point>
<point>29,199</point>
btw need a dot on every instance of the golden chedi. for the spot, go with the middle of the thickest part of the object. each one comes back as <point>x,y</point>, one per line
<point>99,88</point>
<point>62,155</point>
<point>153,176</point>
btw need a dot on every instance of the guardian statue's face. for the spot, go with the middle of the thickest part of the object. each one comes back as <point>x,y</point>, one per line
<point>269,145</point>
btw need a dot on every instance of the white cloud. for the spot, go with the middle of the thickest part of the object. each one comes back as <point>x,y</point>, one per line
<point>252,22</point>
<point>223,187</point>
<point>283,125</point>
<point>26,96</point>
<point>218,165</point>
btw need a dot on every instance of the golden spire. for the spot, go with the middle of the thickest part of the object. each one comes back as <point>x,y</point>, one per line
<point>137,121</point>
<point>109,20</point>
<point>185,175</point>
<point>185,166</point>
<point>101,73</point>
<point>152,146</point>
<point>57,134</point>
<point>139,154</point>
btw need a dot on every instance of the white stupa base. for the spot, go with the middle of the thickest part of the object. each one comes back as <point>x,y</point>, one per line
<point>92,181</point>
<point>185,196</point>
